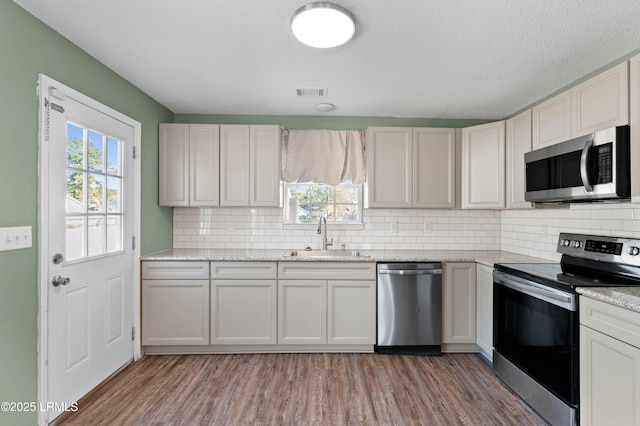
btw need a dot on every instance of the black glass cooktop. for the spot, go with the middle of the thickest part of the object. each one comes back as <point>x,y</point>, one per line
<point>553,275</point>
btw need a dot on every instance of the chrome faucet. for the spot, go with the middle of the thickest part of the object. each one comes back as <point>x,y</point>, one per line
<point>326,242</point>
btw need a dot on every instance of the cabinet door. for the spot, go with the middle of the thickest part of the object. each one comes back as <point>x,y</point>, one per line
<point>552,120</point>
<point>243,312</point>
<point>175,312</point>
<point>459,303</point>
<point>484,281</point>
<point>234,165</point>
<point>434,168</point>
<point>634,121</point>
<point>302,312</point>
<point>173,145</point>
<point>518,143</point>
<point>609,380</point>
<point>351,312</point>
<point>265,165</point>
<point>204,174</point>
<point>602,101</point>
<point>483,164</point>
<point>389,166</point>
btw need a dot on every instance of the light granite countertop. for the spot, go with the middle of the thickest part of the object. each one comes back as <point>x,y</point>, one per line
<point>625,297</point>
<point>485,257</point>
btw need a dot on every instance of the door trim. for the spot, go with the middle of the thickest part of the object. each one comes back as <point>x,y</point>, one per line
<point>44,84</point>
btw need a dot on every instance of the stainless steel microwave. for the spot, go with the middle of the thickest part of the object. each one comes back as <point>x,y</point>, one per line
<point>594,167</point>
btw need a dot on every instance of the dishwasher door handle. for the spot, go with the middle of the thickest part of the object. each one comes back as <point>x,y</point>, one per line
<point>410,271</point>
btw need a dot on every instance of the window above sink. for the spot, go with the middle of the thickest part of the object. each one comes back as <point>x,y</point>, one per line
<point>305,203</point>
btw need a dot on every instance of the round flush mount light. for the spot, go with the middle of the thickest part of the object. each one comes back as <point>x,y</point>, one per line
<point>323,25</point>
<point>324,107</point>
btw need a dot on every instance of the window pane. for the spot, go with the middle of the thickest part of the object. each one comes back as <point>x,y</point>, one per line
<point>114,194</point>
<point>346,213</point>
<point>75,238</point>
<point>301,192</point>
<point>95,151</point>
<point>322,194</point>
<point>347,195</point>
<point>114,233</point>
<point>96,183</point>
<point>114,157</point>
<point>75,145</point>
<point>74,192</point>
<point>96,235</point>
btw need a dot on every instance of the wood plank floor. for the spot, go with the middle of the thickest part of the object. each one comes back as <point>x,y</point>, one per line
<point>305,389</point>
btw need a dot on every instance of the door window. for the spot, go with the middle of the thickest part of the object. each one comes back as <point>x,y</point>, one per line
<point>94,225</point>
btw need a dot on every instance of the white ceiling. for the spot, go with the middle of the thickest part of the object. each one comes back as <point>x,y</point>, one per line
<point>409,58</point>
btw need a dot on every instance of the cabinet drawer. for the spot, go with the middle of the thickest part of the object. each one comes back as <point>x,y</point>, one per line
<point>179,270</point>
<point>327,270</point>
<point>612,320</point>
<point>244,270</point>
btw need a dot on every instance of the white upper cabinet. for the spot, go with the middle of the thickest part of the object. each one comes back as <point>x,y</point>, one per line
<point>602,101</point>
<point>188,164</point>
<point>598,103</point>
<point>265,166</point>
<point>204,155</point>
<point>483,166</point>
<point>518,142</point>
<point>389,166</point>
<point>249,165</point>
<point>434,168</point>
<point>234,165</point>
<point>411,167</point>
<point>552,120</point>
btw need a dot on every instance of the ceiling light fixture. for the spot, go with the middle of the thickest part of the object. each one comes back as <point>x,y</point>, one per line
<point>325,107</point>
<point>323,24</point>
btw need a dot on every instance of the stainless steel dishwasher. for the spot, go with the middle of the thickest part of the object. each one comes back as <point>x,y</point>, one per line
<point>409,308</point>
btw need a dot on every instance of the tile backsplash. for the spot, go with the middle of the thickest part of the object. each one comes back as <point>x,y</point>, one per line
<point>534,232</point>
<point>531,232</point>
<point>262,228</point>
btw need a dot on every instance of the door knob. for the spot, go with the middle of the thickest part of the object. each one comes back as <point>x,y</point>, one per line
<point>58,280</point>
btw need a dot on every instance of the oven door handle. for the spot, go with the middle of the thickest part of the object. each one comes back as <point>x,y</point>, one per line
<point>539,291</point>
<point>584,165</point>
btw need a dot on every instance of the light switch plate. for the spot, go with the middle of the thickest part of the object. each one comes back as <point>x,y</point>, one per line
<point>15,238</point>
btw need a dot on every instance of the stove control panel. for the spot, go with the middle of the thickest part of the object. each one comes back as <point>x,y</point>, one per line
<point>597,247</point>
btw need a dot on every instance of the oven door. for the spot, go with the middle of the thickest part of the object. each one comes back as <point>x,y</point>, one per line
<point>535,327</point>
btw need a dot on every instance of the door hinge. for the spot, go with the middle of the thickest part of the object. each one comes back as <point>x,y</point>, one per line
<point>133,243</point>
<point>134,152</point>
<point>133,333</point>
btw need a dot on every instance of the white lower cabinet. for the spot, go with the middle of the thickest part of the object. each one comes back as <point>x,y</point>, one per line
<point>175,303</point>
<point>336,307</point>
<point>484,296</point>
<point>351,312</point>
<point>243,303</point>
<point>459,304</point>
<point>302,312</point>
<point>609,364</point>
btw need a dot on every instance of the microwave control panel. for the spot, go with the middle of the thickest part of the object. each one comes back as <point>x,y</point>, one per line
<point>604,163</point>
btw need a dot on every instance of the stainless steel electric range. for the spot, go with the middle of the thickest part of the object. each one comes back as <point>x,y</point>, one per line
<point>535,318</point>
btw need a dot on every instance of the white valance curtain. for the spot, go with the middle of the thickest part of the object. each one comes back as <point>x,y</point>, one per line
<point>324,156</point>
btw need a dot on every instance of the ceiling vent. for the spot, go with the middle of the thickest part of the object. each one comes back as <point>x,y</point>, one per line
<point>312,92</point>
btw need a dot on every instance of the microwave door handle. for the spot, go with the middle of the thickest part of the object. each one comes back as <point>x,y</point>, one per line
<point>584,163</point>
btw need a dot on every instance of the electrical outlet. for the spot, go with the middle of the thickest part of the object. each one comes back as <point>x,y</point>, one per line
<point>428,227</point>
<point>393,227</point>
<point>543,230</point>
<point>15,237</point>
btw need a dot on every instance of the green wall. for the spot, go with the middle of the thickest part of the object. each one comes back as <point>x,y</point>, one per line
<point>28,47</point>
<point>303,122</point>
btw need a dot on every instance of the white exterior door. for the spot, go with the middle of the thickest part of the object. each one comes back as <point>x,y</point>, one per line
<point>87,215</point>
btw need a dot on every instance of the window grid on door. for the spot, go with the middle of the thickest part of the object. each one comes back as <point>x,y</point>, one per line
<point>94,196</point>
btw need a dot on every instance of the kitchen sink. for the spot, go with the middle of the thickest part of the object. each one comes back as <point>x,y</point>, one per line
<point>325,253</point>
